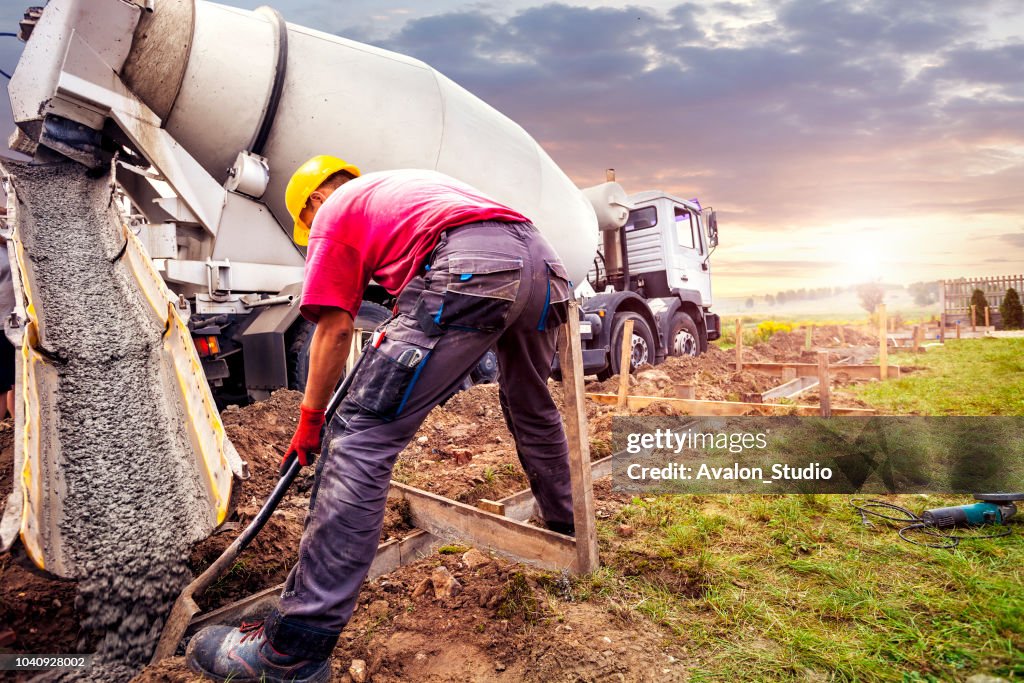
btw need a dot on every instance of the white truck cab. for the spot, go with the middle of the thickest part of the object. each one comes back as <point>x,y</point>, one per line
<point>655,269</point>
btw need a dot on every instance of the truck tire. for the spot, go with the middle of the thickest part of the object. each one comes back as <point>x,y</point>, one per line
<point>300,336</point>
<point>684,339</point>
<point>643,344</point>
<point>486,369</point>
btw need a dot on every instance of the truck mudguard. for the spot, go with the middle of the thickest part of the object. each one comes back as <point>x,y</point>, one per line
<point>613,302</point>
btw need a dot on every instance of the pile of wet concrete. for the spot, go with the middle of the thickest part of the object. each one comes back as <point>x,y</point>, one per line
<point>133,501</point>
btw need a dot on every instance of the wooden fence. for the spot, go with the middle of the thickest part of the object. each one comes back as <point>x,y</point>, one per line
<point>955,295</point>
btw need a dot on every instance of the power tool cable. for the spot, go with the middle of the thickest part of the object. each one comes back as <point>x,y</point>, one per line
<point>880,509</point>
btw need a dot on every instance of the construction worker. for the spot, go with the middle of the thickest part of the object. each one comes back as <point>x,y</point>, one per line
<point>469,274</point>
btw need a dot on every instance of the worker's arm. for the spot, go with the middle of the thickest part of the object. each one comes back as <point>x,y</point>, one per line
<point>327,355</point>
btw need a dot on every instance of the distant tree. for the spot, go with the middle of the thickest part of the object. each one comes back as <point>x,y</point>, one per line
<point>1011,310</point>
<point>871,294</point>
<point>769,299</point>
<point>780,298</point>
<point>924,293</point>
<point>980,303</point>
<point>750,302</point>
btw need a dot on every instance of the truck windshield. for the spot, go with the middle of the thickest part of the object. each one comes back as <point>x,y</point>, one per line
<point>647,217</point>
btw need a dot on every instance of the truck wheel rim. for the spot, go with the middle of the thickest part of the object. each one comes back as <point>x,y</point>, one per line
<point>685,344</point>
<point>639,354</point>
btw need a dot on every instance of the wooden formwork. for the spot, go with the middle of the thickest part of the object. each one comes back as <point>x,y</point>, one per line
<point>723,408</point>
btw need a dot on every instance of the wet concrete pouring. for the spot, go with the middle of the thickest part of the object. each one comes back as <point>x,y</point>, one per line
<point>133,501</point>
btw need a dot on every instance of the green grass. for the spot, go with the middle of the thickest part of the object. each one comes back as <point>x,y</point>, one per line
<point>765,588</point>
<point>795,587</point>
<point>964,377</point>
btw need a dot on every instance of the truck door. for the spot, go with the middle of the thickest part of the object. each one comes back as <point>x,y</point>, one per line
<point>688,265</point>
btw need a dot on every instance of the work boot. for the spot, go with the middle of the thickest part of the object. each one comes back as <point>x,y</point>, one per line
<point>226,653</point>
<point>562,528</point>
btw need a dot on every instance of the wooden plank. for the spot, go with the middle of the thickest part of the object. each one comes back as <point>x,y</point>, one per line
<point>492,506</point>
<point>574,416</point>
<point>811,370</point>
<point>883,345</point>
<point>793,387</point>
<point>625,362</point>
<point>713,408</point>
<point>451,520</point>
<point>788,375</point>
<point>824,398</point>
<point>390,556</point>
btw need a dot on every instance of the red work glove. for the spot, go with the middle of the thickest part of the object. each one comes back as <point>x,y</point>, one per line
<point>306,441</point>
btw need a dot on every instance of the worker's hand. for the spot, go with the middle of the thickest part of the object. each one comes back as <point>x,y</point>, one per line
<point>306,441</point>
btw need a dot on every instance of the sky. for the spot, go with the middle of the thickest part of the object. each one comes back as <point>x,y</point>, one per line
<point>840,142</point>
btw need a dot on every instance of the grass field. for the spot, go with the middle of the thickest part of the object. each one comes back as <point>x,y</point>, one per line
<point>772,588</point>
<point>964,377</point>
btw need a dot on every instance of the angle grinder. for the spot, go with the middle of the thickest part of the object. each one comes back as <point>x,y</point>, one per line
<point>992,508</point>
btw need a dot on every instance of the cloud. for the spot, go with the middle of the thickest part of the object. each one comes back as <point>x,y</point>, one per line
<point>786,116</point>
<point>1014,238</point>
<point>817,115</point>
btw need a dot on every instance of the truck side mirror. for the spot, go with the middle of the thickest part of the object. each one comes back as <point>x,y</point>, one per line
<point>713,229</point>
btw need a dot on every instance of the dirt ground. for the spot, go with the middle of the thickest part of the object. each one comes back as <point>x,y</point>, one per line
<point>714,377</point>
<point>506,623</point>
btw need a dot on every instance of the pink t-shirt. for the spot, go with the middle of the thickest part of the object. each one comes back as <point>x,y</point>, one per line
<point>383,226</point>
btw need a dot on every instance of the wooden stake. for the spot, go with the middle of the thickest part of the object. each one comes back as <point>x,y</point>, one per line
<point>624,362</point>
<point>916,339</point>
<point>987,309</point>
<point>883,344</point>
<point>739,344</point>
<point>974,317</point>
<point>570,355</point>
<point>823,389</point>
<point>942,328</point>
<point>808,337</point>
<point>957,329</point>
<point>842,334</point>
<point>355,351</point>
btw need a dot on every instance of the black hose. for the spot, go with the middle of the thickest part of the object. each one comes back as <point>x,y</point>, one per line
<point>278,86</point>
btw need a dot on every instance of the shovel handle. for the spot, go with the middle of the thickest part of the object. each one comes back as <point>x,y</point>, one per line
<point>289,471</point>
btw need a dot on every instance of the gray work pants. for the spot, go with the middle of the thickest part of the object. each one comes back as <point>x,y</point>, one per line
<point>488,285</point>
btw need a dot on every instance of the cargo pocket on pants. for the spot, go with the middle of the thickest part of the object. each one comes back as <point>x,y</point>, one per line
<point>387,376</point>
<point>556,305</point>
<point>480,292</point>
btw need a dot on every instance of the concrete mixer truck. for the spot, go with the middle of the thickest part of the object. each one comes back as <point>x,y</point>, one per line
<point>204,111</point>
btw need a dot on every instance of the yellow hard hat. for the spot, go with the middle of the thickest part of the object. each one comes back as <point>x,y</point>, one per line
<point>304,182</point>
